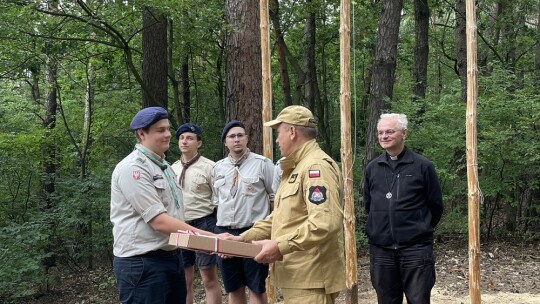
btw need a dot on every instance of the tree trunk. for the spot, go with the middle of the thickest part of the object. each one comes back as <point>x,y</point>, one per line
<point>461,48</point>
<point>154,65</point>
<point>421,48</point>
<point>178,115</point>
<point>384,67</point>
<point>48,180</point>
<point>186,89</point>
<point>311,93</point>
<point>243,68</point>
<point>281,49</point>
<point>322,102</point>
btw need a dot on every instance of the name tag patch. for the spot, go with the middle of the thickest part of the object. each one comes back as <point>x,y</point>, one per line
<point>317,194</point>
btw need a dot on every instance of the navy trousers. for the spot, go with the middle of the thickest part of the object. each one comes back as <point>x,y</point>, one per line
<point>152,278</point>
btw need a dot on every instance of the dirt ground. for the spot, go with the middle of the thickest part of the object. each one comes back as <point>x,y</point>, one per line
<point>510,274</point>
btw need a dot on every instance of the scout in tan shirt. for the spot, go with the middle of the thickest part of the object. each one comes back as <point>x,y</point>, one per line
<point>194,173</point>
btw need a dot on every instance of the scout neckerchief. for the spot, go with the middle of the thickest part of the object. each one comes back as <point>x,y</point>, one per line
<point>236,164</point>
<point>163,165</point>
<point>186,165</point>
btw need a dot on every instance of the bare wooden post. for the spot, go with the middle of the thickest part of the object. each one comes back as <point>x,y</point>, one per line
<point>472,163</point>
<point>351,296</point>
<point>266,106</point>
<point>266,81</point>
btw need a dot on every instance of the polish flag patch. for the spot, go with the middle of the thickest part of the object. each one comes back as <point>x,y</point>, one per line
<point>314,173</point>
<point>136,174</point>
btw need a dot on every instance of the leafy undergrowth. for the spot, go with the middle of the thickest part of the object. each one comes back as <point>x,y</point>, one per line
<point>509,274</point>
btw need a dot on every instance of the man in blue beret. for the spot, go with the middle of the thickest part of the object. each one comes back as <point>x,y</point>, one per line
<point>194,173</point>
<point>146,207</point>
<point>243,193</point>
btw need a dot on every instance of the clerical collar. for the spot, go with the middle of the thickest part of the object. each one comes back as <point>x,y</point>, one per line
<point>393,157</point>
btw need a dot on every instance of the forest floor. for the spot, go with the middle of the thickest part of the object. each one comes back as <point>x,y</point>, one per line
<point>510,274</point>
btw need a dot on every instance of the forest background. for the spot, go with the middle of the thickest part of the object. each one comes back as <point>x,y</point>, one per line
<point>73,73</point>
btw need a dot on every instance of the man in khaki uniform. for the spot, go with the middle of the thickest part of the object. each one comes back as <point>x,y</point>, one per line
<point>303,236</point>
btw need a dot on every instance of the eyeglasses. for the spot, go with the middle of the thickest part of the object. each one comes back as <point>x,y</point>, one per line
<point>387,132</point>
<point>239,136</point>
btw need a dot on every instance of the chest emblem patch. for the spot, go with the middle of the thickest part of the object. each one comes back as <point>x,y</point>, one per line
<point>317,194</point>
<point>136,174</point>
<point>314,173</point>
<point>293,177</point>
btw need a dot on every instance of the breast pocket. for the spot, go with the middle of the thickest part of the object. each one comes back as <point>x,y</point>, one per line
<point>160,186</point>
<point>219,186</point>
<point>250,185</point>
<point>199,184</point>
<point>287,192</point>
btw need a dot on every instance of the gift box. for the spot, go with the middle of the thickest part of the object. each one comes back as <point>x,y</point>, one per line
<point>213,245</point>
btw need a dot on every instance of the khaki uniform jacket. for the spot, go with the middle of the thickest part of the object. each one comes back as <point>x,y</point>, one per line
<point>307,222</point>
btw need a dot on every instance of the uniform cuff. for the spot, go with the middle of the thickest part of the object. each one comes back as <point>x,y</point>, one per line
<point>246,238</point>
<point>284,247</point>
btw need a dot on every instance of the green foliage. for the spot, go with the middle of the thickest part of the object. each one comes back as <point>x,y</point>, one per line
<point>455,222</point>
<point>21,268</point>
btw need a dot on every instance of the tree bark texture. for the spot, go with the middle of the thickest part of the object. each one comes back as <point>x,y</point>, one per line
<point>243,68</point>
<point>311,89</point>
<point>281,49</point>
<point>154,65</point>
<point>186,89</point>
<point>421,48</point>
<point>384,67</point>
<point>49,123</point>
<point>175,85</point>
<point>461,48</point>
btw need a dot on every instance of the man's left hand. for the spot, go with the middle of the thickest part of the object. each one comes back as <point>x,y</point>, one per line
<point>269,253</point>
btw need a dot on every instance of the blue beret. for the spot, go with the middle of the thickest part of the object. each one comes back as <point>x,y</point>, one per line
<point>231,124</point>
<point>148,116</point>
<point>188,127</point>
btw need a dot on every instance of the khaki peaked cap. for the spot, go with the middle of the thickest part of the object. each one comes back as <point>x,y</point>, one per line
<point>294,115</point>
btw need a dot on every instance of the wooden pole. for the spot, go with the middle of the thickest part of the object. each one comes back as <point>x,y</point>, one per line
<point>266,107</point>
<point>351,294</point>
<point>472,163</point>
<point>266,81</point>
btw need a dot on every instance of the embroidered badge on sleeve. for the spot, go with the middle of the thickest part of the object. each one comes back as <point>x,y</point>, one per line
<point>136,174</point>
<point>293,177</point>
<point>314,173</point>
<point>317,194</point>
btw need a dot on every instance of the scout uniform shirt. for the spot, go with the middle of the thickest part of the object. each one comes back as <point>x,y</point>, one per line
<point>307,222</point>
<point>197,190</point>
<point>140,191</point>
<point>246,200</point>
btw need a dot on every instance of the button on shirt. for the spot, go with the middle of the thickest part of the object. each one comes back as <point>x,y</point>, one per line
<point>139,192</point>
<point>197,190</point>
<point>251,201</point>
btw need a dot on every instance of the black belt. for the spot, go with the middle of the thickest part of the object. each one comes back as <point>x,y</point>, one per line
<point>234,228</point>
<point>160,253</point>
<point>195,221</point>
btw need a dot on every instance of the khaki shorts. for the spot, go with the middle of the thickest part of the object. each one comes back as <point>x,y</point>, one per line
<point>315,296</point>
